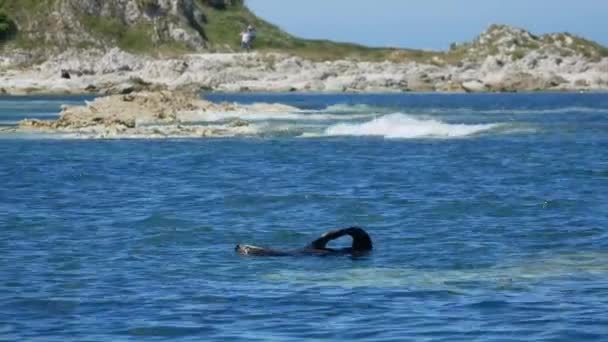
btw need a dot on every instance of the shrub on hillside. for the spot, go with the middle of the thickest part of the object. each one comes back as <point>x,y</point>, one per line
<point>222,4</point>
<point>7,27</point>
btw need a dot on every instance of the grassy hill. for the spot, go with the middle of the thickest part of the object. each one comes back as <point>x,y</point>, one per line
<point>223,27</point>
<point>219,27</point>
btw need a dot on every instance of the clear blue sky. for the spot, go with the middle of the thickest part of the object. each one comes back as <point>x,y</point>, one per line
<point>430,24</point>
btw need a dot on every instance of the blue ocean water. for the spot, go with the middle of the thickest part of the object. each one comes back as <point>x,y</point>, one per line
<point>488,215</point>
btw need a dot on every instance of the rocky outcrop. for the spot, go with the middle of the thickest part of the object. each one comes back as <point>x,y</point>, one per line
<point>159,114</point>
<point>512,43</point>
<point>103,23</point>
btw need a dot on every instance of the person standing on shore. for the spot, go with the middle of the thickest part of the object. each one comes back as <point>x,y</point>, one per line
<point>246,40</point>
<point>247,37</point>
<point>252,33</point>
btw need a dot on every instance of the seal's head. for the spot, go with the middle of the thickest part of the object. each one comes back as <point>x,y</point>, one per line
<point>248,250</point>
<point>258,251</point>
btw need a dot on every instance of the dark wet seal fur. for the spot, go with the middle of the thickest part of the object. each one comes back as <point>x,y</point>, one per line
<point>362,244</point>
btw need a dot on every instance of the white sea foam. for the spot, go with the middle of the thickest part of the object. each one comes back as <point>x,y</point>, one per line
<point>353,108</point>
<point>269,116</point>
<point>403,126</point>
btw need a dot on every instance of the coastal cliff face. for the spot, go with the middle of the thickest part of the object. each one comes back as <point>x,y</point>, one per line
<point>130,24</point>
<point>163,20</point>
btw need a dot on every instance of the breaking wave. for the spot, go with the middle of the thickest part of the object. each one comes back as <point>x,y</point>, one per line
<point>401,126</point>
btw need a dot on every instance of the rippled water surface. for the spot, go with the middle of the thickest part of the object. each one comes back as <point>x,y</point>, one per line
<point>488,214</point>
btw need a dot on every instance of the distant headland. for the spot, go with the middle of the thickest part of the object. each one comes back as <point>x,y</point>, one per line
<point>87,46</point>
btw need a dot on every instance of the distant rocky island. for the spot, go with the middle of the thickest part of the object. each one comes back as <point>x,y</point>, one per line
<point>125,46</point>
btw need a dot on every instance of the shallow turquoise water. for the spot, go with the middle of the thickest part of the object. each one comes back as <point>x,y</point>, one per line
<point>488,214</point>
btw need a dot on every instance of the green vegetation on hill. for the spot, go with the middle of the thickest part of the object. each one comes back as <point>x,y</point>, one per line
<point>589,48</point>
<point>22,14</point>
<point>135,39</point>
<point>7,27</point>
<point>224,25</point>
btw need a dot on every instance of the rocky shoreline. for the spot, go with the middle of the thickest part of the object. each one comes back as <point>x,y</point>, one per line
<point>117,72</point>
<point>502,59</point>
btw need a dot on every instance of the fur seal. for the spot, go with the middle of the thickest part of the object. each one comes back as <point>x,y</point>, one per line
<point>362,244</point>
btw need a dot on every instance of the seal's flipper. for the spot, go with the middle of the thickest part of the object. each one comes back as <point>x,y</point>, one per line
<point>361,240</point>
<point>322,242</point>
